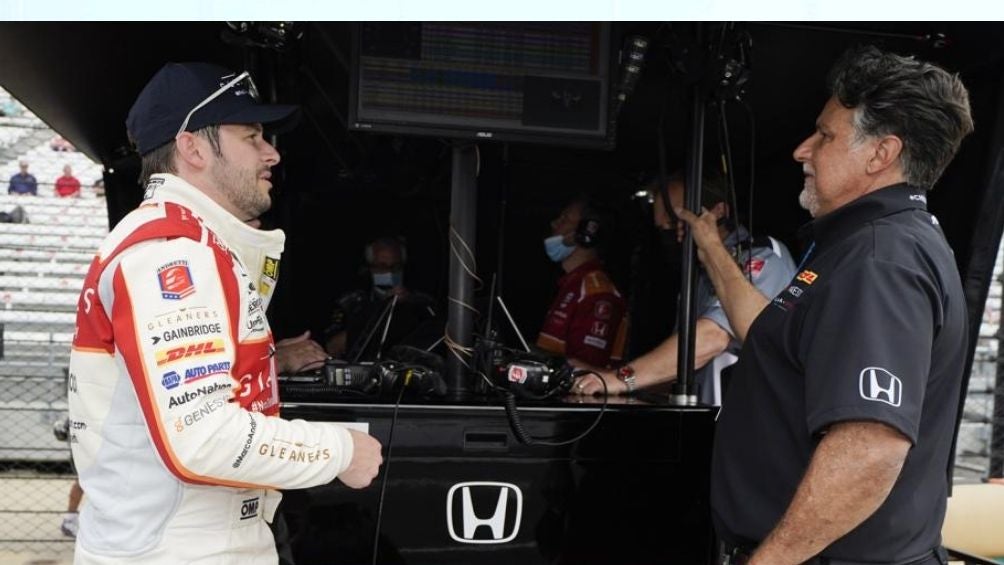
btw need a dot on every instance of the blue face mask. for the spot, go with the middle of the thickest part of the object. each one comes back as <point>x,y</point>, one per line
<point>556,249</point>
<point>387,280</point>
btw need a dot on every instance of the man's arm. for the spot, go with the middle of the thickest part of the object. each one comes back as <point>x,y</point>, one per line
<point>741,300</point>
<point>659,365</point>
<point>851,473</point>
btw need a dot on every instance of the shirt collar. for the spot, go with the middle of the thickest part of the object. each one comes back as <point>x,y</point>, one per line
<point>736,237</point>
<point>872,206</point>
<point>580,271</point>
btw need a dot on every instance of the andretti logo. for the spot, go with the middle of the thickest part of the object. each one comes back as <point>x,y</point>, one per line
<point>175,280</point>
<point>195,349</point>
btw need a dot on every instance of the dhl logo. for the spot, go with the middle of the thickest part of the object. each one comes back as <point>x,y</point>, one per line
<point>808,277</point>
<point>165,356</point>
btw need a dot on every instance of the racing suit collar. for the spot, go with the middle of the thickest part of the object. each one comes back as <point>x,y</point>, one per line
<point>258,250</point>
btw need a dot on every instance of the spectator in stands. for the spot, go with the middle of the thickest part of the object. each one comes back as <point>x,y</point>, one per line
<point>9,108</point>
<point>15,216</point>
<point>356,314</point>
<point>59,143</point>
<point>587,322</point>
<point>23,182</point>
<point>67,185</point>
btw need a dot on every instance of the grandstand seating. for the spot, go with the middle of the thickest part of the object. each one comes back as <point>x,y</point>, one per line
<point>42,268</point>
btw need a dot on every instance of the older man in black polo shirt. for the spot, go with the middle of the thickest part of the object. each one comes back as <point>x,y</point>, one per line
<point>850,378</point>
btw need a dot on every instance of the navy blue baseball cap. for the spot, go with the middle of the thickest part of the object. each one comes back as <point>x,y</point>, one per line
<point>204,94</point>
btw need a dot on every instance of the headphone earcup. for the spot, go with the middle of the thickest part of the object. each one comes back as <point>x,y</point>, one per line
<point>587,232</point>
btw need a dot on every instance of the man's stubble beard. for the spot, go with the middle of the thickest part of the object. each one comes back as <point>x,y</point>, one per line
<point>240,187</point>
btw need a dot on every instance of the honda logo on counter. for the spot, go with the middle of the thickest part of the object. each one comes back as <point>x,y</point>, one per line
<point>875,383</point>
<point>484,512</point>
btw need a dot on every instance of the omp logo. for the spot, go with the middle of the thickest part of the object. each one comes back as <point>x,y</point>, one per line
<point>486,512</point>
<point>165,356</point>
<point>875,383</point>
<point>249,509</point>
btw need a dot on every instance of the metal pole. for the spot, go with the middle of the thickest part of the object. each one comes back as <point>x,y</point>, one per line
<point>683,390</point>
<point>463,225</point>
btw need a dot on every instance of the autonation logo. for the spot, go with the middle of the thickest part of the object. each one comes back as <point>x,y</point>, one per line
<point>484,512</point>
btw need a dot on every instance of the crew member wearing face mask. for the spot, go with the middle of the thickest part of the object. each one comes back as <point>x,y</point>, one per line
<point>769,266</point>
<point>413,319</point>
<point>587,322</point>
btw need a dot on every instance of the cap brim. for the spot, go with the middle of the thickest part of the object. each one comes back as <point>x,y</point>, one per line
<point>278,118</point>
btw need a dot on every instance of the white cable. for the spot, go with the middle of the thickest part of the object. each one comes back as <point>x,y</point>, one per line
<point>519,334</point>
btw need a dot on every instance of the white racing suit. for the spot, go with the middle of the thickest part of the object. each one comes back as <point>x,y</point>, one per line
<point>173,399</point>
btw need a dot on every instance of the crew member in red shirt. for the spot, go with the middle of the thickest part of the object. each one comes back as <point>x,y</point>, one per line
<point>587,322</point>
<point>67,185</point>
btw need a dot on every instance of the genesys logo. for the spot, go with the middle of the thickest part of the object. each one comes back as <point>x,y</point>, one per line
<point>188,351</point>
<point>196,393</point>
<point>175,280</point>
<point>484,512</point>
<point>199,414</point>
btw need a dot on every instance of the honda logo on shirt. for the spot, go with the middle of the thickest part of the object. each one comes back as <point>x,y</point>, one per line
<point>875,383</point>
<point>486,512</point>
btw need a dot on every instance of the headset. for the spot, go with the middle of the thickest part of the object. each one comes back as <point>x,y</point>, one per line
<point>589,232</point>
<point>390,241</point>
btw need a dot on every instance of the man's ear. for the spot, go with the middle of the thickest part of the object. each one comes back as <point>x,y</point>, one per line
<point>192,150</point>
<point>887,152</point>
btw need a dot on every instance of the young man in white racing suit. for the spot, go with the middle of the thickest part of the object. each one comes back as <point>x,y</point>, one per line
<point>173,398</point>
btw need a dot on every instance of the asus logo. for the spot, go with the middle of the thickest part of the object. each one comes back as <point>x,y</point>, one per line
<point>491,511</point>
<point>875,383</point>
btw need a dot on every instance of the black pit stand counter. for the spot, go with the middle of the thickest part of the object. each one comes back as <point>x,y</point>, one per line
<point>462,489</point>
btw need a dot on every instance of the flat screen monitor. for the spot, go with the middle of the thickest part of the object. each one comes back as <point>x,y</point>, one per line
<point>524,81</point>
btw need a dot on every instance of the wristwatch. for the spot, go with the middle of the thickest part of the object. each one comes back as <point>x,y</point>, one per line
<point>626,375</point>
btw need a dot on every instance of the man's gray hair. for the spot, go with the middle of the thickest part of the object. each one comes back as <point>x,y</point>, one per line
<point>924,105</point>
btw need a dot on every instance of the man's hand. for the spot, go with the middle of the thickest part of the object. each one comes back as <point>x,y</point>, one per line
<point>300,353</point>
<point>740,299</point>
<point>704,229</point>
<point>590,384</point>
<point>366,460</point>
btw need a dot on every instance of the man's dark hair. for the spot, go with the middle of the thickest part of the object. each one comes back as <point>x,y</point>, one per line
<point>161,159</point>
<point>924,105</point>
<point>713,188</point>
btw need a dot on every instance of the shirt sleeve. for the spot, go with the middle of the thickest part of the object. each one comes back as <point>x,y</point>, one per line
<point>593,329</point>
<point>187,383</point>
<point>771,271</point>
<point>866,346</point>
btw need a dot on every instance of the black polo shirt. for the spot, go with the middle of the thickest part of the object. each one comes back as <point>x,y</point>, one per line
<point>873,327</point>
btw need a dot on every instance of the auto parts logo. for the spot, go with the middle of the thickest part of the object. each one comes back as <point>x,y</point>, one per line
<point>484,512</point>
